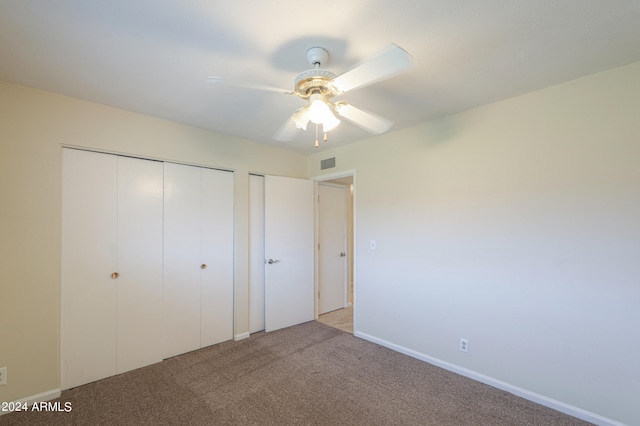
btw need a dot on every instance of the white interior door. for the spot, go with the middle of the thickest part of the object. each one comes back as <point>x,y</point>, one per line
<point>332,256</point>
<point>256,253</point>
<point>139,312</point>
<point>289,252</point>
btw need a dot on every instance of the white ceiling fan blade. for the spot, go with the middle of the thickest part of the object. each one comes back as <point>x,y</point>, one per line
<point>287,132</point>
<point>300,118</point>
<point>369,122</point>
<point>212,79</point>
<point>388,63</point>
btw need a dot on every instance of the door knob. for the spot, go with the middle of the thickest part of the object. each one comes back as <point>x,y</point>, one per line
<point>115,275</point>
<point>271,261</point>
<point>203,266</point>
<point>343,254</point>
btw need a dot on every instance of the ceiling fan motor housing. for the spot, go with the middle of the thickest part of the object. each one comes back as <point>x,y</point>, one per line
<point>315,81</point>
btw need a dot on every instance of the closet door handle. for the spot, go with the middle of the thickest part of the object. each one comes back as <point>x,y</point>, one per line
<point>343,254</point>
<point>271,261</point>
<point>115,275</point>
<point>203,266</point>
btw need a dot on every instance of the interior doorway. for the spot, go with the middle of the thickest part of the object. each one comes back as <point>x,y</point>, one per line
<point>347,316</point>
<point>332,247</point>
<point>343,318</point>
<point>281,252</point>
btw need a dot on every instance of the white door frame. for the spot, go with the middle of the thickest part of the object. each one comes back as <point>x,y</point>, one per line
<point>322,178</point>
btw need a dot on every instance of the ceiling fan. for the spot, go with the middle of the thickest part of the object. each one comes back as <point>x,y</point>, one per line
<point>318,86</point>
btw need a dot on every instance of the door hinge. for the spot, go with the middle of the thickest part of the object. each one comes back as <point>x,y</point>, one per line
<point>318,295</point>
<point>318,246</point>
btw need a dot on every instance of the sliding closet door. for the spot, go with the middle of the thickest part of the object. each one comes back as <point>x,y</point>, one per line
<point>216,304</point>
<point>198,258</point>
<point>111,265</point>
<point>182,261</point>
<point>139,299</point>
<point>89,257</point>
<point>256,253</point>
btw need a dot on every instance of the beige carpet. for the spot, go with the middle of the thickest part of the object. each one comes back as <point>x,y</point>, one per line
<point>309,374</point>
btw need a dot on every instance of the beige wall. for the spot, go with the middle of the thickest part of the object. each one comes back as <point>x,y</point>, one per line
<point>516,226</point>
<point>34,125</point>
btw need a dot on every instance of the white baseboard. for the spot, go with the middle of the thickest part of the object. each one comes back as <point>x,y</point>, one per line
<point>39,397</point>
<point>241,336</point>
<point>524,393</point>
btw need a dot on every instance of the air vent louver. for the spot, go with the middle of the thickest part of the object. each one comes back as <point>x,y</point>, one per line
<point>328,163</point>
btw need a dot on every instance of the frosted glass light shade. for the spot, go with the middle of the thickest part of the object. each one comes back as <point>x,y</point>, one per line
<point>301,118</point>
<point>330,123</point>
<point>319,111</point>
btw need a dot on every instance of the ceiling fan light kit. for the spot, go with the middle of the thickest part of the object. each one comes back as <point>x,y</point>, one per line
<point>317,86</point>
<point>318,109</point>
<point>320,112</point>
<point>330,122</point>
<point>301,118</point>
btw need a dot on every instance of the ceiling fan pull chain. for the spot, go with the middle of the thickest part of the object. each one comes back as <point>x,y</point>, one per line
<point>325,137</point>
<point>316,135</point>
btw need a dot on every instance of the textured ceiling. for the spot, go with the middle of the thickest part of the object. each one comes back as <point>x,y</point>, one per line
<point>154,57</point>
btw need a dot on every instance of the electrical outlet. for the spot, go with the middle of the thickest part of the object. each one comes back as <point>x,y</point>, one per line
<point>3,376</point>
<point>464,345</point>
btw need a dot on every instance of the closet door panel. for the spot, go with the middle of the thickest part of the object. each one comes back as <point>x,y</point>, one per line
<point>256,253</point>
<point>217,254</point>
<point>88,319</point>
<point>140,226</point>
<point>182,260</point>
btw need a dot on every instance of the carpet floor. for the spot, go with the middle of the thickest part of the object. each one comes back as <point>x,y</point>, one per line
<point>310,374</point>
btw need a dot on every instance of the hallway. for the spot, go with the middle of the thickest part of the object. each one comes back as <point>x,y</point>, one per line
<point>340,318</point>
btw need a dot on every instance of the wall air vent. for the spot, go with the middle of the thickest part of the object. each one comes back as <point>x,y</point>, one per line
<point>328,163</point>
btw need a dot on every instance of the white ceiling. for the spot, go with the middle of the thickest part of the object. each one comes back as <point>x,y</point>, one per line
<point>153,56</point>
